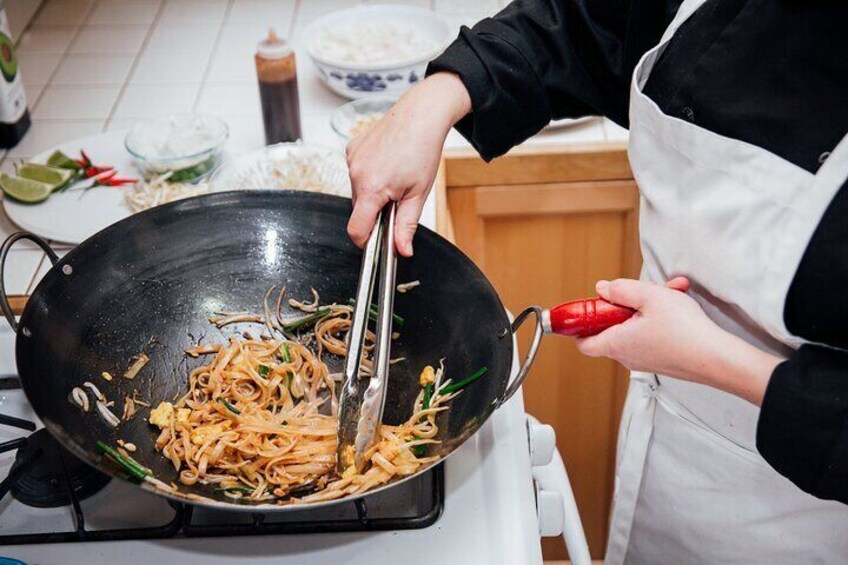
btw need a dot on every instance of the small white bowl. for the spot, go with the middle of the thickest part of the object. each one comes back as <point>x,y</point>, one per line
<point>379,78</point>
<point>345,119</point>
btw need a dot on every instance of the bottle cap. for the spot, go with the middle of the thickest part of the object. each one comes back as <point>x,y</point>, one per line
<point>272,47</point>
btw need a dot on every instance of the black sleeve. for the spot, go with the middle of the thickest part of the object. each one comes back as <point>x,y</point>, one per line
<point>539,60</point>
<point>803,426</point>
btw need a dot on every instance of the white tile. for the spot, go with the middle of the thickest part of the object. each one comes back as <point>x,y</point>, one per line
<point>36,68</point>
<point>246,134</point>
<point>69,102</point>
<point>70,13</point>
<point>147,101</point>
<point>110,12</point>
<point>170,66</point>
<point>614,132</point>
<point>309,10</point>
<point>487,7</point>
<point>21,267</point>
<point>242,38</point>
<point>120,124</point>
<point>114,39</point>
<point>44,134</point>
<point>45,40</point>
<point>317,129</point>
<point>419,3</point>
<point>228,66</point>
<point>191,11</point>
<point>456,21</point>
<point>7,228</point>
<point>240,100</point>
<point>33,91</point>
<point>189,37</point>
<point>587,132</point>
<point>277,13</point>
<point>94,69</point>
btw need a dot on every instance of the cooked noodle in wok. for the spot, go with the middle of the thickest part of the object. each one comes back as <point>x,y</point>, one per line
<point>259,419</point>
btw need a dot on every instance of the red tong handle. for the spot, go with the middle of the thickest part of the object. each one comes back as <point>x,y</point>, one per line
<point>590,316</point>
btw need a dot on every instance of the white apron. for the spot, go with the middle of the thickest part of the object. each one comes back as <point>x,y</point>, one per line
<point>735,219</point>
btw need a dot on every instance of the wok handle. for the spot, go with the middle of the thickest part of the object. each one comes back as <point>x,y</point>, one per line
<point>538,332</point>
<point>584,318</point>
<point>4,254</point>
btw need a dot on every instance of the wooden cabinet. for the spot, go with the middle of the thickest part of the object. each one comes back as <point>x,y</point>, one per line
<point>544,225</point>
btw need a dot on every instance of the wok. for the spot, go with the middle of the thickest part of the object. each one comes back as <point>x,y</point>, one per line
<point>149,282</point>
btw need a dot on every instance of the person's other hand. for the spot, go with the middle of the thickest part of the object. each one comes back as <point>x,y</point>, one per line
<point>397,158</point>
<point>671,335</point>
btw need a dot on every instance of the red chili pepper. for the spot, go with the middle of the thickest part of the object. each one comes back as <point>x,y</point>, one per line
<point>85,161</point>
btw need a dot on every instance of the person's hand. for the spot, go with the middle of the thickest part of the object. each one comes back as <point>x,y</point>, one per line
<point>671,335</point>
<point>397,158</point>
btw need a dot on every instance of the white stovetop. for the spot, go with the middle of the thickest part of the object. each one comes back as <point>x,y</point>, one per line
<point>96,65</point>
<point>489,515</point>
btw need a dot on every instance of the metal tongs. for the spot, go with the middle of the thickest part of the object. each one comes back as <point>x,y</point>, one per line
<point>361,412</point>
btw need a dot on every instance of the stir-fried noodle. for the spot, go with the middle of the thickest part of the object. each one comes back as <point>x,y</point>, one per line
<point>259,420</point>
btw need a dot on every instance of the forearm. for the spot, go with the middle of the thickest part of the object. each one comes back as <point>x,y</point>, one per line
<point>441,99</point>
<point>733,365</point>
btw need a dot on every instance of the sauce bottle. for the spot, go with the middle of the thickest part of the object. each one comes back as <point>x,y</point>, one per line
<point>277,73</point>
<point>14,116</point>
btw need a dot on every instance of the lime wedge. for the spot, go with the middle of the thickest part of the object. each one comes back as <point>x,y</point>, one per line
<point>62,161</point>
<point>24,190</point>
<point>52,176</point>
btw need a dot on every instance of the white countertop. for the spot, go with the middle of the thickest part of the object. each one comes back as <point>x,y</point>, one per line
<point>90,66</point>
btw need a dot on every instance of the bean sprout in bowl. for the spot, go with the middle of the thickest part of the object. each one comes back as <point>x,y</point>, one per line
<point>188,146</point>
<point>295,166</point>
<point>375,50</point>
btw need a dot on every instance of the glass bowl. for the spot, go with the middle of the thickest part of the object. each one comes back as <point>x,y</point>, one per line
<point>351,119</point>
<point>188,146</point>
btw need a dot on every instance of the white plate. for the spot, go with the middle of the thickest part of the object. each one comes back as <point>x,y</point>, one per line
<point>274,166</point>
<point>72,217</point>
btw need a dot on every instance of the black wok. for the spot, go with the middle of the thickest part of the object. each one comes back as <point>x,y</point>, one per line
<point>149,282</point>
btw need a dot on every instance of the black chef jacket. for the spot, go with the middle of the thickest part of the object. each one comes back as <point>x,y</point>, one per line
<point>773,73</point>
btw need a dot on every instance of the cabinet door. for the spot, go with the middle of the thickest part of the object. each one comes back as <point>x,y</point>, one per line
<point>544,244</point>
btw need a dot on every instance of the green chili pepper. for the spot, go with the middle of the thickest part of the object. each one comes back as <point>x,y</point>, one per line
<point>372,314</point>
<point>284,353</point>
<point>306,320</point>
<point>229,406</point>
<point>453,387</point>
<point>263,370</point>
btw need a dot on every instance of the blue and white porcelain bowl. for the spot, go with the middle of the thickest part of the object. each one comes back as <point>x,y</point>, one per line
<point>384,74</point>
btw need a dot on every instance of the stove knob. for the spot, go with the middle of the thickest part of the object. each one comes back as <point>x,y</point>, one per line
<point>549,509</point>
<point>542,442</point>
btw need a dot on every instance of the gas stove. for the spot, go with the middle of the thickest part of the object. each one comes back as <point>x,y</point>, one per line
<point>481,505</point>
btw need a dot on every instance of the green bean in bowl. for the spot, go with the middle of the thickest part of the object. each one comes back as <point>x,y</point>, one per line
<point>188,146</point>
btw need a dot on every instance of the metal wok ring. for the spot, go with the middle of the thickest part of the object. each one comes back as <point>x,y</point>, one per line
<point>538,332</point>
<point>4,254</point>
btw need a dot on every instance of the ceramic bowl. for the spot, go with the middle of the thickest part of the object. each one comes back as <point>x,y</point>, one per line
<point>378,78</point>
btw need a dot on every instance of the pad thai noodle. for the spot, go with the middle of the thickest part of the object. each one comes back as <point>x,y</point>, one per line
<point>259,419</point>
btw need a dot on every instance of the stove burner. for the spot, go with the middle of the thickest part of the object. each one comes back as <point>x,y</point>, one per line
<point>42,465</point>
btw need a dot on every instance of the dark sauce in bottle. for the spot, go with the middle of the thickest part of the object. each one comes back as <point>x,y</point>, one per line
<point>277,73</point>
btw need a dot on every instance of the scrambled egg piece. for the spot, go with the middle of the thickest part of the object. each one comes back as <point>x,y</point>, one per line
<point>428,376</point>
<point>348,456</point>
<point>183,414</point>
<point>349,472</point>
<point>201,434</point>
<point>162,415</point>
